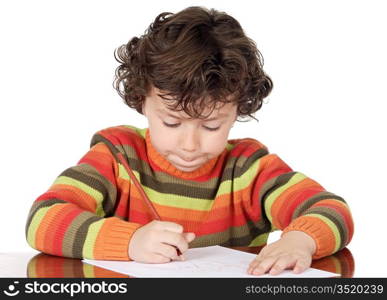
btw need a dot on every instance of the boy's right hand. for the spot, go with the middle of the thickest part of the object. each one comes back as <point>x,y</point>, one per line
<point>157,242</point>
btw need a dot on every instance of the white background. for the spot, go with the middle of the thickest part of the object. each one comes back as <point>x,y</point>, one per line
<point>325,116</point>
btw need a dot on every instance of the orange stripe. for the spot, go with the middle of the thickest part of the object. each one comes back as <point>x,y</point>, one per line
<point>308,224</point>
<point>116,234</point>
<point>235,198</point>
<point>344,212</point>
<point>54,237</point>
<point>137,204</point>
<point>101,159</point>
<point>48,222</point>
<point>99,250</point>
<point>74,195</point>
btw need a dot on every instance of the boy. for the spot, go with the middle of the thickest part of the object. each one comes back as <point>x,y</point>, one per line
<point>192,74</point>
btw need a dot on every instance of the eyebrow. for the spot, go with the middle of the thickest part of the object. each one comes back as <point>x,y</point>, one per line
<point>219,116</point>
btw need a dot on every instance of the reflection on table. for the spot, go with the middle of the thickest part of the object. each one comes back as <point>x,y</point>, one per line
<point>48,266</point>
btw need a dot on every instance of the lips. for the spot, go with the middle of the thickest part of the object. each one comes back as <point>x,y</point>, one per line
<point>188,163</point>
<point>189,159</point>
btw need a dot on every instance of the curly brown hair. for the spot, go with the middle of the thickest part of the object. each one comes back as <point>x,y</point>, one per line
<point>198,58</point>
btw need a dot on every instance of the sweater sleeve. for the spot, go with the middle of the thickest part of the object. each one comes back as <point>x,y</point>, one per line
<point>75,217</point>
<point>292,201</point>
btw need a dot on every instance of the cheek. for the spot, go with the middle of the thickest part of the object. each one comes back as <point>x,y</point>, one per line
<point>215,144</point>
<point>161,139</point>
<point>162,146</point>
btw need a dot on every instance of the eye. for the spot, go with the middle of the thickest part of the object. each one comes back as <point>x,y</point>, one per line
<point>171,125</point>
<point>211,129</point>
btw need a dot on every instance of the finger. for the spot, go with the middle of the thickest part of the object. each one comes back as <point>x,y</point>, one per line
<point>174,239</point>
<point>155,258</point>
<point>264,265</point>
<point>253,265</point>
<point>179,257</point>
<point>282,263</point>
<point>169,226</point>
<point>255,262</point>
<point>189,236</point>
<point>301,265</point>
<point>167,251</point>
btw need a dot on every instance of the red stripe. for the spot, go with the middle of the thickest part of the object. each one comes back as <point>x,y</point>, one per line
<point>139,217</point>
<point>47,196</point>
<point>100,163</point>
<point>245,148</point>
<point>290,205</point>
<point>223,224</point>
<point>62,226</point>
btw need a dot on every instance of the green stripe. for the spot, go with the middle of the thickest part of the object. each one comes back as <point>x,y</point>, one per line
<point>124,175</point>
<point>229,147</point>
<point>139,131</point>
<point>171,200</point>
<point>228,186</point>
<point>332,226</point>
<point>35,223</point>
<point>245,180</point>
<point>72,239</point>
<point>81,235</point>
<point>91,237</point>
<point>335,217</point>
<point>90,176</point>
<point>260,240</point>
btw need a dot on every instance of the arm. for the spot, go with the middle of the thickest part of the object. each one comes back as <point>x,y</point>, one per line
<point>75,217</point>
<point>315,222</point>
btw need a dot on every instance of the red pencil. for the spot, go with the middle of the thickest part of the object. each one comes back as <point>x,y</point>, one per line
<point>156,216</point>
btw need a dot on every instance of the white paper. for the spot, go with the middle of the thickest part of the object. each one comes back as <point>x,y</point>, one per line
<point>213,261</point>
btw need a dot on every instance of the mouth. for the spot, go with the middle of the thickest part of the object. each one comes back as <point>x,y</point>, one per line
<point>188,163</point>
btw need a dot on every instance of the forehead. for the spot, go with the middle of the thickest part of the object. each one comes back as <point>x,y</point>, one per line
<point>162,106</point>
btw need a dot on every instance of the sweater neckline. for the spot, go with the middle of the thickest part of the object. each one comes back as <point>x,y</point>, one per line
<point>167,167</point>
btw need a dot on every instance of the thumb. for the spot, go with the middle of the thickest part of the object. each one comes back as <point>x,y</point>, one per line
<point>189,236</point>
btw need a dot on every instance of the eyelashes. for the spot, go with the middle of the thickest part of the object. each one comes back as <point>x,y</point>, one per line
<point>177,125</point>
<point>211,129</point>
<point>171,125</point>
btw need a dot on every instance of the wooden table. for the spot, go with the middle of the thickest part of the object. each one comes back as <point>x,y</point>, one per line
<point>48,266</point>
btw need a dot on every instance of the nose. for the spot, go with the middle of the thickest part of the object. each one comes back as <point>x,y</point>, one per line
<point>190,140</point>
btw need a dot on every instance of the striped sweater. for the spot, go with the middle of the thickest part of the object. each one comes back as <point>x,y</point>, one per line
<point>236,199</point>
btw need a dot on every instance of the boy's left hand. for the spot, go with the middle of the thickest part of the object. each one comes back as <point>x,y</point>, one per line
<point>293,251</point>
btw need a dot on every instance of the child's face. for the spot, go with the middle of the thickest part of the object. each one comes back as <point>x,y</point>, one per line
<point>190,143</point>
